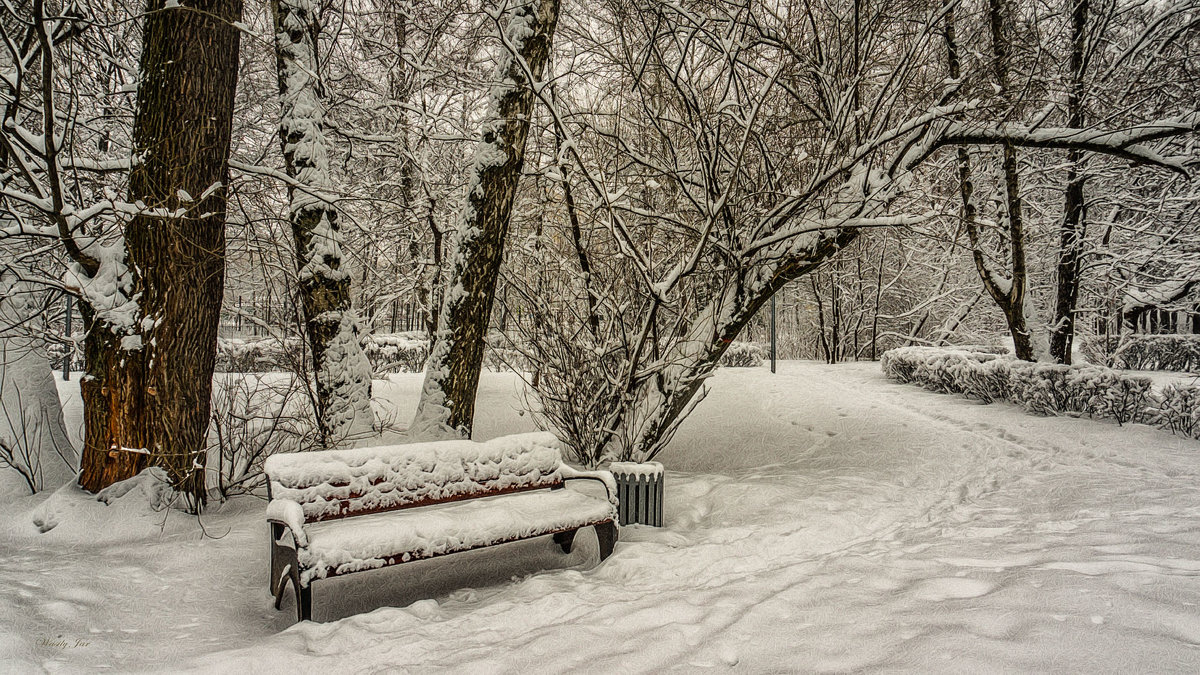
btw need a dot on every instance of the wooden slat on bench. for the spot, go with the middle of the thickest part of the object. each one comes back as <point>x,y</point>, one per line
<point>399,559</point>
<point>345,512</point>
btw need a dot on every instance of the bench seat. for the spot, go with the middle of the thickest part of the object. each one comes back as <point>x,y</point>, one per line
<point>343,546</point>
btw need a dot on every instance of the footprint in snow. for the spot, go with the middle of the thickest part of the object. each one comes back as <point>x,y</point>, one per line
<point>952,588</point>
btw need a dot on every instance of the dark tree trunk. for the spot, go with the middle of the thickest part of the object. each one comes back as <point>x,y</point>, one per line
<point>447,405</point>
<point>1074,223</point>
<point>1008,293</point>
<point>1014,307</point>
<point>147,392</point>
<point>585,265</point>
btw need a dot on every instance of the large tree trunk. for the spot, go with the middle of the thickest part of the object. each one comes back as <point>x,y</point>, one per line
<point>1071,232</point>
<point>342,372</point>
<point>447,405</point>
<point>147,391</point>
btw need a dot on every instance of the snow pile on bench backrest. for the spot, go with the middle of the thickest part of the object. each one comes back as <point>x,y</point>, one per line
<point>334,483</point>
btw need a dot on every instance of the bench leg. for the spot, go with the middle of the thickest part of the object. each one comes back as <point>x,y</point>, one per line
<point>284,577</point>
<point>606,533</point>
<point>565,540</point>
<point>285,568</point>
<point>278,561</point>
<point>303,602</point>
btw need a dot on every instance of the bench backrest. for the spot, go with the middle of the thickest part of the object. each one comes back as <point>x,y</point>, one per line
<point>340,483</point>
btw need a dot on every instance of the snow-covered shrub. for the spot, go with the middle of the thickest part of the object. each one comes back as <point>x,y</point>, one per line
<point>397,352</point>
<point>254,417</point>
<point>1123,398</point>
<point>578,393</point>
<point>1098,349</point>
<point>899,365</point>
<point>742,355</point>
<point>948,371</point>
<point>1179,409</point>
<point>998,350</point>
<point>982,376</point>
<point>1044,389</point>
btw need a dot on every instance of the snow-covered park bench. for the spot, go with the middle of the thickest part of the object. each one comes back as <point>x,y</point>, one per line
<point>341,511</point>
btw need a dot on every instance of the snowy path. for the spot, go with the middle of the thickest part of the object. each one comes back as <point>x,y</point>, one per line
<point>819,520</point>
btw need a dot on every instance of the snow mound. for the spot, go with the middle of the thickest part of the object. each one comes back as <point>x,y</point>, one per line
<point>130,509</point>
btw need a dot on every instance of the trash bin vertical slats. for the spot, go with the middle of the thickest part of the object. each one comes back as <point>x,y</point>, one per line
<point>640,492</point>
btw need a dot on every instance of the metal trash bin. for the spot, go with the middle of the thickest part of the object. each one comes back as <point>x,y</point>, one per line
<point>640,492</point>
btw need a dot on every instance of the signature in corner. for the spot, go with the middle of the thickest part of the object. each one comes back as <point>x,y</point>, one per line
<point>59,642</point>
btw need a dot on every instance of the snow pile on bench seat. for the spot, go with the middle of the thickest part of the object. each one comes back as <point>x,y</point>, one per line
<point>367,542</point>
<point>333,482</point>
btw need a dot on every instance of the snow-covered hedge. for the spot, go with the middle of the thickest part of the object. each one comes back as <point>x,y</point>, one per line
<point>396,352</point>
<point>255,355</point>
<point>742,355</point>
<point>1159,352</point>
<point>1145,352</point>
<point>1044,389</point>
<point>1049,389</point>
<point>387,352</point>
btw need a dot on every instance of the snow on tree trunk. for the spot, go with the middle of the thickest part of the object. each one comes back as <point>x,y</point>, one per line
<point>342,372</point>
<point>447,404</point>
<point>660,405</point>
<point>33,437</point>
<point>152,307</point>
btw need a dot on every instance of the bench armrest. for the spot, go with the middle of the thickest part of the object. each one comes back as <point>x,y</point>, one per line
<point>605,477</point>
<point>291,515</point>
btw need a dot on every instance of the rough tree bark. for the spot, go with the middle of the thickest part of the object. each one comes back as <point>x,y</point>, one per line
<point>342,372</point>
<point>447,405</point>
<point>147,391</point>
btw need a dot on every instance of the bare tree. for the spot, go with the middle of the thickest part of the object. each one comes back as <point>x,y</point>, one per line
<point>447,404</point>
<point>756,148</point>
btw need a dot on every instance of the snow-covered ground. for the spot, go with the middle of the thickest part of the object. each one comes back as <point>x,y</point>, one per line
<point>822,519</point>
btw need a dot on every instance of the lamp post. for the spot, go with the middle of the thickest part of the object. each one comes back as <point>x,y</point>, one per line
<point>772,333</point>
<point>66,365</point>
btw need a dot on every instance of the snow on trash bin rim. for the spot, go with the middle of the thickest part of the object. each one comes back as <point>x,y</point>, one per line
<point>638,469</point>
